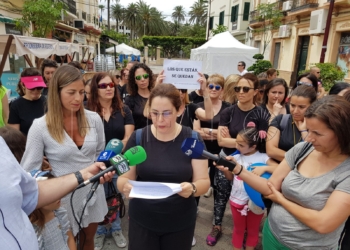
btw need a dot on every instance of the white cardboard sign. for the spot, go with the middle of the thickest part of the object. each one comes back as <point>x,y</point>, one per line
<point>183,74</point>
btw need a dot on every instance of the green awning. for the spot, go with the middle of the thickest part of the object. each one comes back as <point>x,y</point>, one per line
<point>4,19</point>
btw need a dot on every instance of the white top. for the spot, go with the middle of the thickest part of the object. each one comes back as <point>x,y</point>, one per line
<point>238,194</point>
<point>65,159</point>
<point>19,197</point>
<point>243,72</point>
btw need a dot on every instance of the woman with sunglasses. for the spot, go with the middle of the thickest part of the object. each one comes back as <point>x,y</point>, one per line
<point>274,99</point>
<point>139,87</point>
<point>71,137</point>
<point>169,223</point>
<point>308,80</point>
<point>31,103</point>
<point>229,94</point>
<point>118,124</point>
<point>232,120</point>
<point>286,131</point>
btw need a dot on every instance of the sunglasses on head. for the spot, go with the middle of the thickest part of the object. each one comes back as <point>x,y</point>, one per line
<point>145,76</point>
<point>212,86</point>
<point>183,90</point>
<point>37,88</point>
<point>304,83</point>
<point>245,89</point>
<point>105,85</point>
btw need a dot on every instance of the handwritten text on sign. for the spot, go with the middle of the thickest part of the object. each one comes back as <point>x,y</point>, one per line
<point>183,74</point>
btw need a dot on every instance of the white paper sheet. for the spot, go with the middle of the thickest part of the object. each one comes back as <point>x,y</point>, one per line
<point>153,190</point>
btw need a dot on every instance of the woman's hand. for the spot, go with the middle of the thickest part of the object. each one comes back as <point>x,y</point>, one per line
<point>203,82</point>
<point>187,189</point>
<point>127,189</point>
<point>277,108</point>
<point>224,132</point>
<point>160,78</point>
<point>94,169</point>
<point>259,170</point>
<point>276,196</point>
<point>301,125</point>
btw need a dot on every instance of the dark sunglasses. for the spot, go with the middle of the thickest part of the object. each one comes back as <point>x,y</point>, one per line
<point>239,65</point>
<point>105,85</point>
<point>212,86</point>
<point>304,83</point>
<point>37,88</point>
<point>245,89</point>
<point>145,76</point>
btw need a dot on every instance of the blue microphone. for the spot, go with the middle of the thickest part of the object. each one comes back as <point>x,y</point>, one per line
<point>113,148</point>
<point>195,149</point>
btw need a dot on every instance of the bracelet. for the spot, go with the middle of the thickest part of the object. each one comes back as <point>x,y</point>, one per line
<point>194,189</point>
<point>240,171</point>
<point>79,177</point>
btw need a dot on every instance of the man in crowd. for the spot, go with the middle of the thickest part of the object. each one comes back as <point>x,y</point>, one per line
<point>241,68</point>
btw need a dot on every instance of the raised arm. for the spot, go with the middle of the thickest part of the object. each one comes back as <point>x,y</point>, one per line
<point>206,113</point>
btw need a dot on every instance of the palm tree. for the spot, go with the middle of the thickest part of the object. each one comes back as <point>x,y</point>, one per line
<point>150,20</point>
<point>109,12</point>
<point>102,8</point>
<point>117,12</point>
<point>198,12</point>
<point>130,16</point>
<point>179,14</point>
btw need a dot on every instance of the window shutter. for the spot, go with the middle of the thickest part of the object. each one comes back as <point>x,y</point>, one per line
<point>236,15</point>
<point>233,12</point>
<point>246,11</point>
<point>211,21</point>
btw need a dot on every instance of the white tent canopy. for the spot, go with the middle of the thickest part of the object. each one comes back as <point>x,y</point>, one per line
<point>222,53</point>
<point>124,49</point>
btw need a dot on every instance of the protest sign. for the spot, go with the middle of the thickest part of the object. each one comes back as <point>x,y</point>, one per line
<point>183,74</point>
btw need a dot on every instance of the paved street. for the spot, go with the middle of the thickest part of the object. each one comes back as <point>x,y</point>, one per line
<point>203,227</point>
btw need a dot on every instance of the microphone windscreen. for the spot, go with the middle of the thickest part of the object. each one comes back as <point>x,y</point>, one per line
<point>115,145</point>
<point>192,148</point>
<point>105,155</point>
<point>135,155</point>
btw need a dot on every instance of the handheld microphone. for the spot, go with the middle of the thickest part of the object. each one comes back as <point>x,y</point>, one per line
<point>120,163</point>
<point>195,149</point>
<point>113,148</point>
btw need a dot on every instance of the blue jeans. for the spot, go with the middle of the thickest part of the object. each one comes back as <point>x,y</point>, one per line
<point>115,226</point>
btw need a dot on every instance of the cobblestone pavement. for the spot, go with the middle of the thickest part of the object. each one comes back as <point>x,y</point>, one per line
<point>203,227</point>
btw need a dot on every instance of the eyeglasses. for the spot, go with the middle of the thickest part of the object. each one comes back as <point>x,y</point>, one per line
<point>165,114</point>
<point>145,76</point>
<point>304,83</point>
<point>318,72</point>
<point>37,88</point>
<point>245,89</point>
<point>183,90</point>
<point>212,86</point>
<point>239,65</point>
<point>105,85</point>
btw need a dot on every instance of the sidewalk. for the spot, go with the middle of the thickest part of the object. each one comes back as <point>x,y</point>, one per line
<point>203,227</point>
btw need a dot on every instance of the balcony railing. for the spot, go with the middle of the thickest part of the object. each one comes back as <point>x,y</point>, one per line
<point>303,4</point>
<point>254,17</point>
<point>278,5</point>
<point>83,15</point>
<point>72,6</point>
<point>88,18</point>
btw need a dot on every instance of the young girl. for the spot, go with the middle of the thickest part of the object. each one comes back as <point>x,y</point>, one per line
<point>251,147</point>
<point>51,222</point>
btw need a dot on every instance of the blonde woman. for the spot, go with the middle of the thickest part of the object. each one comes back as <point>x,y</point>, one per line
<point>229,94</point>
<point>71,138</point>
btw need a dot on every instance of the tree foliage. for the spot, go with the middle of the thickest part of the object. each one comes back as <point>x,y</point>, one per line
<point>43,14</point>
<point>260,64</point>
<point>271,18</point>
<point>198,12</point>
<point>219,29</point>
<point>179,14</point>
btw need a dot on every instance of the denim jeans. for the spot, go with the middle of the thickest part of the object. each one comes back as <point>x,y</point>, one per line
<point>115,226</point>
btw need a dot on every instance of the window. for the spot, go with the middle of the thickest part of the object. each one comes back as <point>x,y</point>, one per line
<point>234,13</point>
<point>211,22</point>
<point>221,18</point>
<point>246,11</point>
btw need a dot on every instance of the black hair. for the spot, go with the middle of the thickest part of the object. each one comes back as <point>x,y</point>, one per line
<point>275,82</point>
<point>338,87</point>
<point>243,63</point>
<point>251,136</point>
<point>309,76</point>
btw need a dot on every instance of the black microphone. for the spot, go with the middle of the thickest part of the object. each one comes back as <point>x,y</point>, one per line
<point>195,149</point>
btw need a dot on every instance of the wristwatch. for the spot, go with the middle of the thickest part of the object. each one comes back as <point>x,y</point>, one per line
<point>79,177</point>
<point>194,189</point>
<point>210,131</point>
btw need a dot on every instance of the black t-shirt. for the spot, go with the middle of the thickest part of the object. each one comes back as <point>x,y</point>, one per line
<point>212,145</point>
<point>23,112</point>
<point>267,112</point>
<point>123,92</point>
<point>195,98</point>
<point>137,105</point>
<point>189,114</point>
<point>165,163</point>
<point>288,137</point>
<point>114,128</point>
<point>236,119</point>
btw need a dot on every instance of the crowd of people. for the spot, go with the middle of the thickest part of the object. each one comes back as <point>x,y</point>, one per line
<point>61,122</point>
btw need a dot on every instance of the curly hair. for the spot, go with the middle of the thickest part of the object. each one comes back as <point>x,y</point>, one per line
<point>94,103</point>
<point>132,86</point>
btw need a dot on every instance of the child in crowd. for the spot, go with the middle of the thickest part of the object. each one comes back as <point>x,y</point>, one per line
<point>250,143</point>
<point>51,223</point>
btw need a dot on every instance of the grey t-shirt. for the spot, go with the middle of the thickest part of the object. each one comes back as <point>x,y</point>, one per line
<point>311,193</point>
